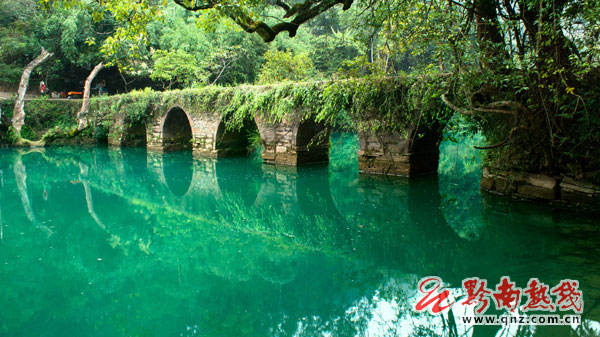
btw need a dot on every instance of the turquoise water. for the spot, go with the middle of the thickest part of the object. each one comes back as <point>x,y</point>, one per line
<point>121,242</point>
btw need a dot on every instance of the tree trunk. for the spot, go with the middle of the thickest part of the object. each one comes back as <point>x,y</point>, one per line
<point>21,182</point>
<point>123,78</point>
<point>18,118</point>
<point>488,33</point>
<point>83,174</point>
<point>82,115</point>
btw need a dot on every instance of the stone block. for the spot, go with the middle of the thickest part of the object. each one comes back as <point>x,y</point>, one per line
<point>504,185</point>
<point>399,153</point>
<point>541,181</point>
<point>574,191</point>
<point>536,192</point>
<point>521,184</point>
<point>383,166</point>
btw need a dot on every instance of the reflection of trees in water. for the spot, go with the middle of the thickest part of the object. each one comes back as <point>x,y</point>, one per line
<point>21,182</point>
<point>388,311</point>
<point>231,268</point>
<point>197,251</point>
<point>88,194</point>
<point>1,194</point>
<point>459,175</point>
<point>135,164</point>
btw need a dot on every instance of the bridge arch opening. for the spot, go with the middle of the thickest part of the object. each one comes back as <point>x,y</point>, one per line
<point>134,134</point>
<point>312,142</point>
<point>177,130</point>
<point>234,141</point>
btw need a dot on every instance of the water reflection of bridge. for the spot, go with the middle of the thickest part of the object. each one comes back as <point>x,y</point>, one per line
<point>387,215</point>
<point>290,233</point>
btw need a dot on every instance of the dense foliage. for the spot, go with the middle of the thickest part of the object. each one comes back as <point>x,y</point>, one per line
<point>284,66</point>
<point>25,28</point>
<point>163,47</point>
<point>397,104</point>
<point>523,71</point>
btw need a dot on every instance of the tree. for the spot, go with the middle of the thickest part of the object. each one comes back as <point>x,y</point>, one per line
<point>177,68</point>
<point>17,45</point>
<point>284,66</point>
<point>522,70</point>
<point>243,13</point>
<point>82,115</point>
<point>18,118</point>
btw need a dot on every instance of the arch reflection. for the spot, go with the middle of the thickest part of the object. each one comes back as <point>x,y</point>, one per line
<point>178,171</point>
<point>238,180</point>
<point>282,265</point>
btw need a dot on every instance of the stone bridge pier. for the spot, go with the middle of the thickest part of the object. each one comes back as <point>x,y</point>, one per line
<point>294,141</point>
<point>409,154</point>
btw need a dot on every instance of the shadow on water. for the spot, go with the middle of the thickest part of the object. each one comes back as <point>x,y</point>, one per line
<point>128,242</point>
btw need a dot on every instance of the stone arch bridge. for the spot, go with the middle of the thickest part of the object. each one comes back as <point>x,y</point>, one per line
<point>292,140</point>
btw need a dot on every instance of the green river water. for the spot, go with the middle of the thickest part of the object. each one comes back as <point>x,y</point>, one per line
<point>124,242</point>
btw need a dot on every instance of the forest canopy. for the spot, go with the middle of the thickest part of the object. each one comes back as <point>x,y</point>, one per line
<point>523,72</point>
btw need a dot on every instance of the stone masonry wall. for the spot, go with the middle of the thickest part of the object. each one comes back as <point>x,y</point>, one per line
<point>283,145</point>
<point>400,155</point>
<point>541,187</point>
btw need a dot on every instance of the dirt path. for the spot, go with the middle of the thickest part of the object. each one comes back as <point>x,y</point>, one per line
<point>10,95</point>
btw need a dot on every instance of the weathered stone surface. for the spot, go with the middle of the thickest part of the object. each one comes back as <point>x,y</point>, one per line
<point>579,191</point>
<point>487,183</point>
<point>398,154</point>
<point>538,186</point>
<point>536,192</point>
<point>293,141</point>
<point>521,184</point>
<point>383,166</point>
<point>540,181</point>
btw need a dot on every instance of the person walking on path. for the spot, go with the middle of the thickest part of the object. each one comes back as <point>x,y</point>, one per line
<point>43,88</point>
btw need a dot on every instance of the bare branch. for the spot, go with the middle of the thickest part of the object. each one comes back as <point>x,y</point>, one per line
<point>456,108</point>
<point>502,143</point>
<point>301,13</point>
<point>196,5</point>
